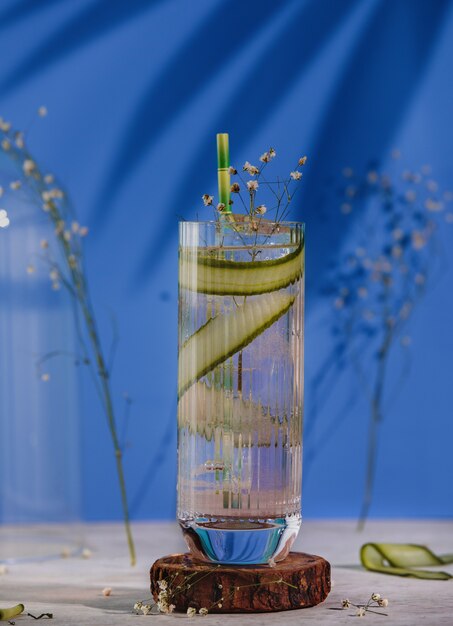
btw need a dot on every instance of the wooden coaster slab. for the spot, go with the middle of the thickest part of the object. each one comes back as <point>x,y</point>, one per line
<point>301,580</point>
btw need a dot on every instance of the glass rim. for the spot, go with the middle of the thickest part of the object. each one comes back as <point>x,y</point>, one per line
<point>285,223</point>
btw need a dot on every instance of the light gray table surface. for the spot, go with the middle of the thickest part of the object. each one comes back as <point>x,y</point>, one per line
<point>71,588</point>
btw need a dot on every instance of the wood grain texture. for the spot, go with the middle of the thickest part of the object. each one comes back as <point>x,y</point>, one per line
<point>301,580</point>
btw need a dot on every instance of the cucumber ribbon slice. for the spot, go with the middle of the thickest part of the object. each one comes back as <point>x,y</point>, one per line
<point>250,423</point>
<point>204,274</point>
<point>400,559</point>
<point>223,335</point>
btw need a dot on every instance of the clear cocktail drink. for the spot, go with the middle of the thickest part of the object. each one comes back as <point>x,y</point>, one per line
<point>240,388</point>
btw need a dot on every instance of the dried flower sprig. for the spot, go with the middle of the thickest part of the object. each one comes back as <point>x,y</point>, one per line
<point>373,605</point>
<point>70,274</point>
<point>376,286</point>
<point>246,190</point>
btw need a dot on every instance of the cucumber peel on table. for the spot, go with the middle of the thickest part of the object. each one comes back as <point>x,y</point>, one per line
<point>223,335</point>
<point>205,274</point>
<point>14,611</point>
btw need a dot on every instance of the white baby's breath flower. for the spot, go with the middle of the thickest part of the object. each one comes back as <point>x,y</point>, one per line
<point>83,231</point>
<point>232,170</point>
<point>49,179</point>
<point>67,235</point>
<point>146,609</point>
<point>203,611</point>
<point>250,169</point>
<point>191,611</point>
<point>361,611</point>
<point>252,185</point>
<point>46,196</point>
<point>235,188</point>
<point>162,584</point>
<point>346,604</point>
<point>302,161</point>
<point>5,126</point>
<point>6,144</point>
<point>86,553</point>
<point>296,175</point>
<point>31,269</point>
<point>56,193</point>
<point>3,570</point>
<point>45,378</point>
<point>15,184</point>
<point>107,591</point>
<point>207,199</point>
<point>261,209</point>
<point>265,157</point>
<point>75,226</point>
<point>376,597</point>
<point>66,552</point>
<point>138,606</point>
<point>171,608</point>
<point>42,111</point>
<point>272,153</point>
<point>221,207</point>
<point>28,166</point>
<point>383,601</point>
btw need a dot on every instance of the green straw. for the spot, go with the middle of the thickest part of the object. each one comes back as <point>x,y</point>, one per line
<point>223,169</point>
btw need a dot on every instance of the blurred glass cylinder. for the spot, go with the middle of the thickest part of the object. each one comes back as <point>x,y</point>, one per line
<point>39,406</point>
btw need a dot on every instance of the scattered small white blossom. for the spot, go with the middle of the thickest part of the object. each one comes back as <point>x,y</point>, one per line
<point>376,596</point>
<point>31,269</point>
<point>232,170</point>
<point>207,199</point>
<point>191,611</point>
<point>5,126</point>
<point>15,184</point>
<point>107,591</point>
<point>250,169</point>
<point>296,175</point>
<point>83,231</point>
<point>203,611</point>
<point>162,584</point>
<point>42,111</point>
<point>361,611</point>
<point>28,166</point>
<point>3,570</point>
<point>221,207</point>
<point>252,185</point>
<point>261,209</point>
<point>146,609</point>
<point>235,188</point>
<point>44,244</point>
<point>86,553</point>
<point>272,153</point>
<point>6,144</point>
<point>302,160</point>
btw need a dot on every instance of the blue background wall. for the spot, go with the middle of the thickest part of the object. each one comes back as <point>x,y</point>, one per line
<point>136,92</point>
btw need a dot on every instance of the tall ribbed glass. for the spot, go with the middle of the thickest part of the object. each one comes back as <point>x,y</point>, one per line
<point>240,388</point>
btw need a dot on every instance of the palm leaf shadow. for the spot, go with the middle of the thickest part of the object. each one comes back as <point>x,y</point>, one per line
<point>94,20</point>
<point>274,71</point>
<point>206,51</point>
<point>19,10</point>
<point>369,106</point>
